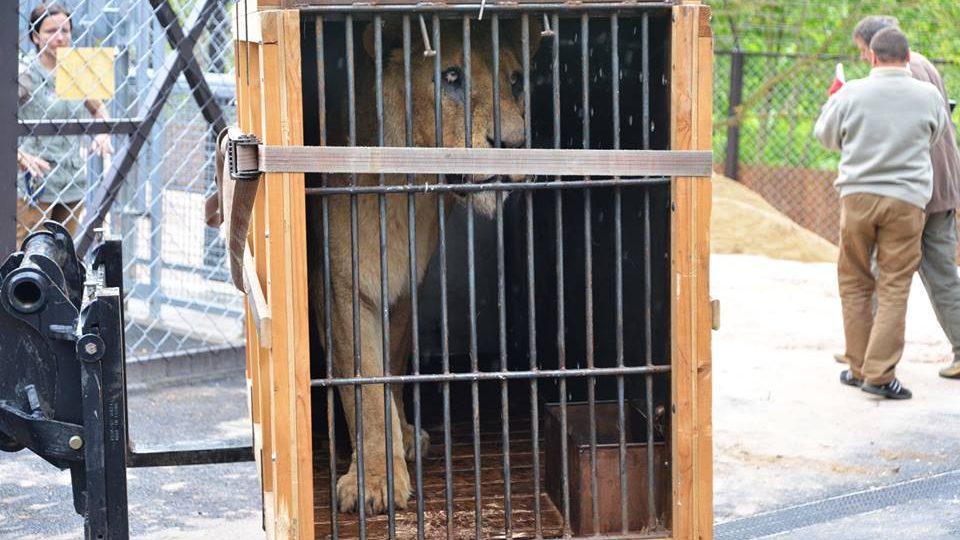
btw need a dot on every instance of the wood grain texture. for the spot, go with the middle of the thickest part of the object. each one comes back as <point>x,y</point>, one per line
<point>484,161</point>
<point>691,90</point>
<point>277,297</point>
<point>298,318</point>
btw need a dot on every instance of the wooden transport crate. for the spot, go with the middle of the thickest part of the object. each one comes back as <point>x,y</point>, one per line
<point>290,447</point>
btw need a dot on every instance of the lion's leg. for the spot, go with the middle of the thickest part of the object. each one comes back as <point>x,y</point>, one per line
<point>400,345</point>
<point>374,451</point>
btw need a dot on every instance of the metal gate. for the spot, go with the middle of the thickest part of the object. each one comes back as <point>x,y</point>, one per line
<point>171,91</point>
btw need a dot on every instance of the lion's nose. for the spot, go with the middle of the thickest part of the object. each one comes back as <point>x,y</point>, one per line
<point>510,139</point>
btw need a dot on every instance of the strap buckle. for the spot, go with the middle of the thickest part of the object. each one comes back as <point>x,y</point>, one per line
<point>243,156</point>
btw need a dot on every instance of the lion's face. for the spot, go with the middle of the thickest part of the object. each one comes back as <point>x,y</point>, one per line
<point>453,89</point>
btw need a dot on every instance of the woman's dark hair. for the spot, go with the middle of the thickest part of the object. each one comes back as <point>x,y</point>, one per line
<point>40,14</point>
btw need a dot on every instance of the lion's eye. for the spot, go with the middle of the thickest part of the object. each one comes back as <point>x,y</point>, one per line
<point>453,76</point>
<point>516,82</point>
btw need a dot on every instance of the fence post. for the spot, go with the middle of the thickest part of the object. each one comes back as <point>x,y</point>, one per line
<point>732,159</point>
<point>9,85</point>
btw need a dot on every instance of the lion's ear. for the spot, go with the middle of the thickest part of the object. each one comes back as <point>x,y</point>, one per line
<point>391,35</point>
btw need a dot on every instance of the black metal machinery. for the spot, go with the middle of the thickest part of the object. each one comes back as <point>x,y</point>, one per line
<point>62,374</point>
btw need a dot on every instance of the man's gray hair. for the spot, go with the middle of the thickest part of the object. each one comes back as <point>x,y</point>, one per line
<point>890,45</point>
<point>869,26</point>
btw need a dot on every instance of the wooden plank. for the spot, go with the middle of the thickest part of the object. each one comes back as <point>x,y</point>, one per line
<point>690,309</point>
<point>258,234</point>
<point>484,161</point>
<point>276,274</point>
<point>704,365</point>
<point>298,314</point>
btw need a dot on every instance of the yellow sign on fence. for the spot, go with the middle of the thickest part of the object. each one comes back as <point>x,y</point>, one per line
<point>85,72</point>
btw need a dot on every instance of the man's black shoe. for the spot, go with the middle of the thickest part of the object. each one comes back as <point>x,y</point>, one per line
<point>847,378</point>
<point>891,390</point>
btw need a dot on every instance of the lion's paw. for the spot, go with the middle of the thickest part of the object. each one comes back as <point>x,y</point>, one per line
<point>375,487</point>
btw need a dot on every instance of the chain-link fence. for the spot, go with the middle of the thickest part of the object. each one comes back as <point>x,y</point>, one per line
<point>119,104</point>
<point>777,60</point>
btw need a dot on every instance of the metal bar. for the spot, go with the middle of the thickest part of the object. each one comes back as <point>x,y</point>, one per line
<point>561,324</point>
<point>483,161</point>
<point>492,7</point>
<point>45,128</point>
<point>442,255</point>
<point>588,269</point>
<point>618,268</point>
<point>384,288</point>
<point>321,80</point>
<point>205,456</point>
<point>531,289</point>
<point>193,73</point>
<point>355,284</point>
<point>165,78</point>
<point>472,286</point>
<point>732,156</point>
<point>501,286</point>
<point>9,96</point>
<point>412,247</point>
<point>647,254</point>
<point>561,374</point>
<point>328,355</point>
<point>645,83</point>
<point>648,345</point>
<point>493,186</point>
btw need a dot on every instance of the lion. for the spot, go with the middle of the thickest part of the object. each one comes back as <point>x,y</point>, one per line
<point>512,134</point>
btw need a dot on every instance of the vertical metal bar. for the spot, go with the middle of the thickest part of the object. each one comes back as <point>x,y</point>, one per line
<point>442,254</point>
<point>8,137</point>
<point>384,288</point>
<point>588,262</point>
<point>327,288</point>
<point>732,157</point>
<point>412,246</point>
<point>561,323</point>
<point>618,268</point>
<point>321,81</point>
<point>645,67</point>
<point>355,285</point>
<point>501,287</point>
<point>647,254</point>
<point>495,68</point>
<point>472,288</point>
<point>531,296</point>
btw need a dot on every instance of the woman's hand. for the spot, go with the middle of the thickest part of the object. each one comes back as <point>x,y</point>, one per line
<point>37,167</point>
<point>102,146</point>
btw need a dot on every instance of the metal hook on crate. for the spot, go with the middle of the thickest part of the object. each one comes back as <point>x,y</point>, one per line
<point>427,49</point>
<point>483,4</point>
<point>547,31</point>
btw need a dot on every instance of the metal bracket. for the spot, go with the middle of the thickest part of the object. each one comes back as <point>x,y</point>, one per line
<point>243,158</point>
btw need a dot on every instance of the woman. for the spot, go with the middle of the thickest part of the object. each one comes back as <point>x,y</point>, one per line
<point>52,180</point>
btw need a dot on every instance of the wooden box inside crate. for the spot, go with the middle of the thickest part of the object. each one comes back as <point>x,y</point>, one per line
<point>269,67</point>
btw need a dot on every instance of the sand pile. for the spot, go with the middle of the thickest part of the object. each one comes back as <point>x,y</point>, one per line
<point>743,222</point>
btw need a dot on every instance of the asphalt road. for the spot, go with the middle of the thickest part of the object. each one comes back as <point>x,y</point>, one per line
<point>196,502</point>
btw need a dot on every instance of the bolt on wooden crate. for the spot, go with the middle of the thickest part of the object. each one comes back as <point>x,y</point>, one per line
<point>507,354</point>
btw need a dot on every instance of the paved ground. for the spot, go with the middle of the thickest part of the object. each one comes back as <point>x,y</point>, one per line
<point>797,455</point>
<point>211,501</point>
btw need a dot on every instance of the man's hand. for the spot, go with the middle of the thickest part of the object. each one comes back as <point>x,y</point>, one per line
<point>102,146</point>
<point>37,167</point>
<point>838,80</point>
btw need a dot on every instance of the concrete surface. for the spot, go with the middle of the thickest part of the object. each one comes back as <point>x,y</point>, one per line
<point>197,502</point>
<point>797,455</point>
